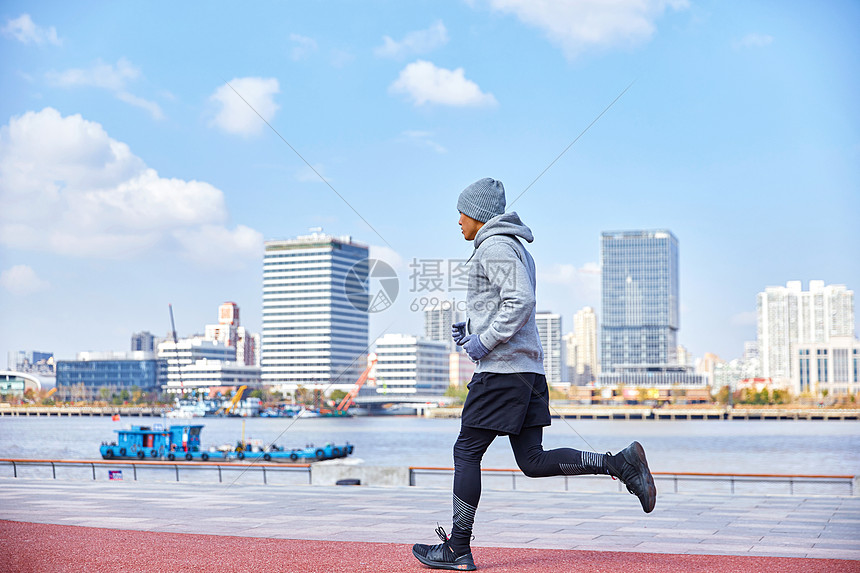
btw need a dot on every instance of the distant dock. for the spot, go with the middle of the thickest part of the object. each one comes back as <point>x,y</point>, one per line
<point>569,412</point>
<point>51,411</point>
<point>686,414</point>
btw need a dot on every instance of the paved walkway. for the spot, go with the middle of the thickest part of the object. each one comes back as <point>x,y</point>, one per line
<point>706,525</point>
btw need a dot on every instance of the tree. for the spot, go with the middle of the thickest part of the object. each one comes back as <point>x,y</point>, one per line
<point>337,396</point>
<point>723,395</point>
<point>459,393</point>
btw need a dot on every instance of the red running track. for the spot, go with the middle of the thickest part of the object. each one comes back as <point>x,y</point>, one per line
<point>38,547</point>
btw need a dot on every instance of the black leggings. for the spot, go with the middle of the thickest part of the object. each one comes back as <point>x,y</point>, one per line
<point>532,459</point>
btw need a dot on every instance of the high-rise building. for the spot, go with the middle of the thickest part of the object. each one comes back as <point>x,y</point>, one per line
<point>31,361</point>
<point>585,330</point>
<point>640,298</point>
<point>438,319</point>
<point>789,317</point>
<point>411,365</point>
<point>549,330</point>
<point>569,350</point>
<point>638,341</point>
<point>460,369</point>
<point>230,332</point>
<point>683,356</point>
<point>315,312</point>
<point>143,342</point>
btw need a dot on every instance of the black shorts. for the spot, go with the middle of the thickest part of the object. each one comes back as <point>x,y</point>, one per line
<point>506,403</point>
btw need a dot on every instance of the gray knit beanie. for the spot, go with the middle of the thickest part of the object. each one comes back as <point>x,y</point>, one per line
<point>482,200</point>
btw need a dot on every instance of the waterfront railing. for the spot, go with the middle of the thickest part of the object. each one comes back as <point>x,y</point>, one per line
<point>263,472</point>
<point>270,473</point>
<point>676,482</point>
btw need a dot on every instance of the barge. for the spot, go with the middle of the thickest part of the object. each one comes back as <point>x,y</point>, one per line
<point>182,442</point>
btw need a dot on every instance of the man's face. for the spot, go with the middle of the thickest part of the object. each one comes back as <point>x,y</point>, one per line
<point>469,227</point>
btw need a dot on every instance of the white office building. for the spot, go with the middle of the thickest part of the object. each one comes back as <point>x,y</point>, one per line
<point>438,319</point>
<point>315,312</point>
<point>790,318</point>
<point>569,351</point>
<point>549,330</point>
<point>183,356</point>
<point>411,365</point>
<point>205,374</point>
<point>585,329</point>
<point>833,366</point>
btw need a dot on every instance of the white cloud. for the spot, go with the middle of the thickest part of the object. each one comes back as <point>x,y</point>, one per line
<point>153,108</point>
<point>579,25</point>
<point>302,47</point>
<point>753,41</point>
<point>21,280</point>
<point>100,75</point>
<point>109,77</point>
<point>418,42</point>
<point>425,83</point>
<point>389,256</point>
<point>214,246</point>
<point>236,116</point>
<point>583,282</point>
<point>565,273</point>
<point>26,31</point>
<point>67,187</point>
<point>424,138</point>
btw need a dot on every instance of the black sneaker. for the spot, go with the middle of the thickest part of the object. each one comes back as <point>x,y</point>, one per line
<point>441,556</point>
<point>631,467</point>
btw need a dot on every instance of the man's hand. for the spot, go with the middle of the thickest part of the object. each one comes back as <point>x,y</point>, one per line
<point>458,332</point>
<point>473,347</point>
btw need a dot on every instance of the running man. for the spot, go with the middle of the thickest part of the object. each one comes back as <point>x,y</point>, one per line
<point>508,394</point>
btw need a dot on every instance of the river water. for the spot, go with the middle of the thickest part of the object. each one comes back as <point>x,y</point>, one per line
<point>759,446</point>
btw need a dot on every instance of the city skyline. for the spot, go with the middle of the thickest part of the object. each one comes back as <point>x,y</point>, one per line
<point>127,183</point>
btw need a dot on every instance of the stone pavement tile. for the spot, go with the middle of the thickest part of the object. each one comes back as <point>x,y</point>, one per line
<point>823,553</point>
<point>571,537</point>
<point>534,527</point>
<point>751,526</point>
<point>853,543</point>
<point>794,529</point>
<point>780,550</point>
<point>679,532</point>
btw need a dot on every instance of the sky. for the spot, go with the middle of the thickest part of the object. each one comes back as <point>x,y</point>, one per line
<point>147,151</point>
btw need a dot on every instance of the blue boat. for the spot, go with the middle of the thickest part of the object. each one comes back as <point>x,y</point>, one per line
<point>182,442</point>
<point>255,450</point>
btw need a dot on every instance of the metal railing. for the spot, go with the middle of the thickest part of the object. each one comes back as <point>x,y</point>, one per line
<point>179,468</point>
<point>677,482</point>
<point>844,484</point>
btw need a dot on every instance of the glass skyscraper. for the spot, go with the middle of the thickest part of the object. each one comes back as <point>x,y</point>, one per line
<point>315,312</point>
<point>640,299</point>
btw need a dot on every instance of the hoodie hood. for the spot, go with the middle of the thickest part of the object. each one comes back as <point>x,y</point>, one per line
<point>504,224</point>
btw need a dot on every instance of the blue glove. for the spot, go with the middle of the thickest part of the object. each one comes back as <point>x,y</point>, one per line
<point>473,347</point>
<point>458,332</point>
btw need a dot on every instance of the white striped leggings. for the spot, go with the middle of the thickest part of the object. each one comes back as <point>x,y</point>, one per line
<point>532,459</point>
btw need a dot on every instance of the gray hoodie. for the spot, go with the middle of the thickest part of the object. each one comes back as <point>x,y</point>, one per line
<point>501,297</point>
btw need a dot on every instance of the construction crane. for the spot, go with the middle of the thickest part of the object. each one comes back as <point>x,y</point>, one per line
<point>233,401</point>
<point>349,399</point>
<point>176,347</point>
